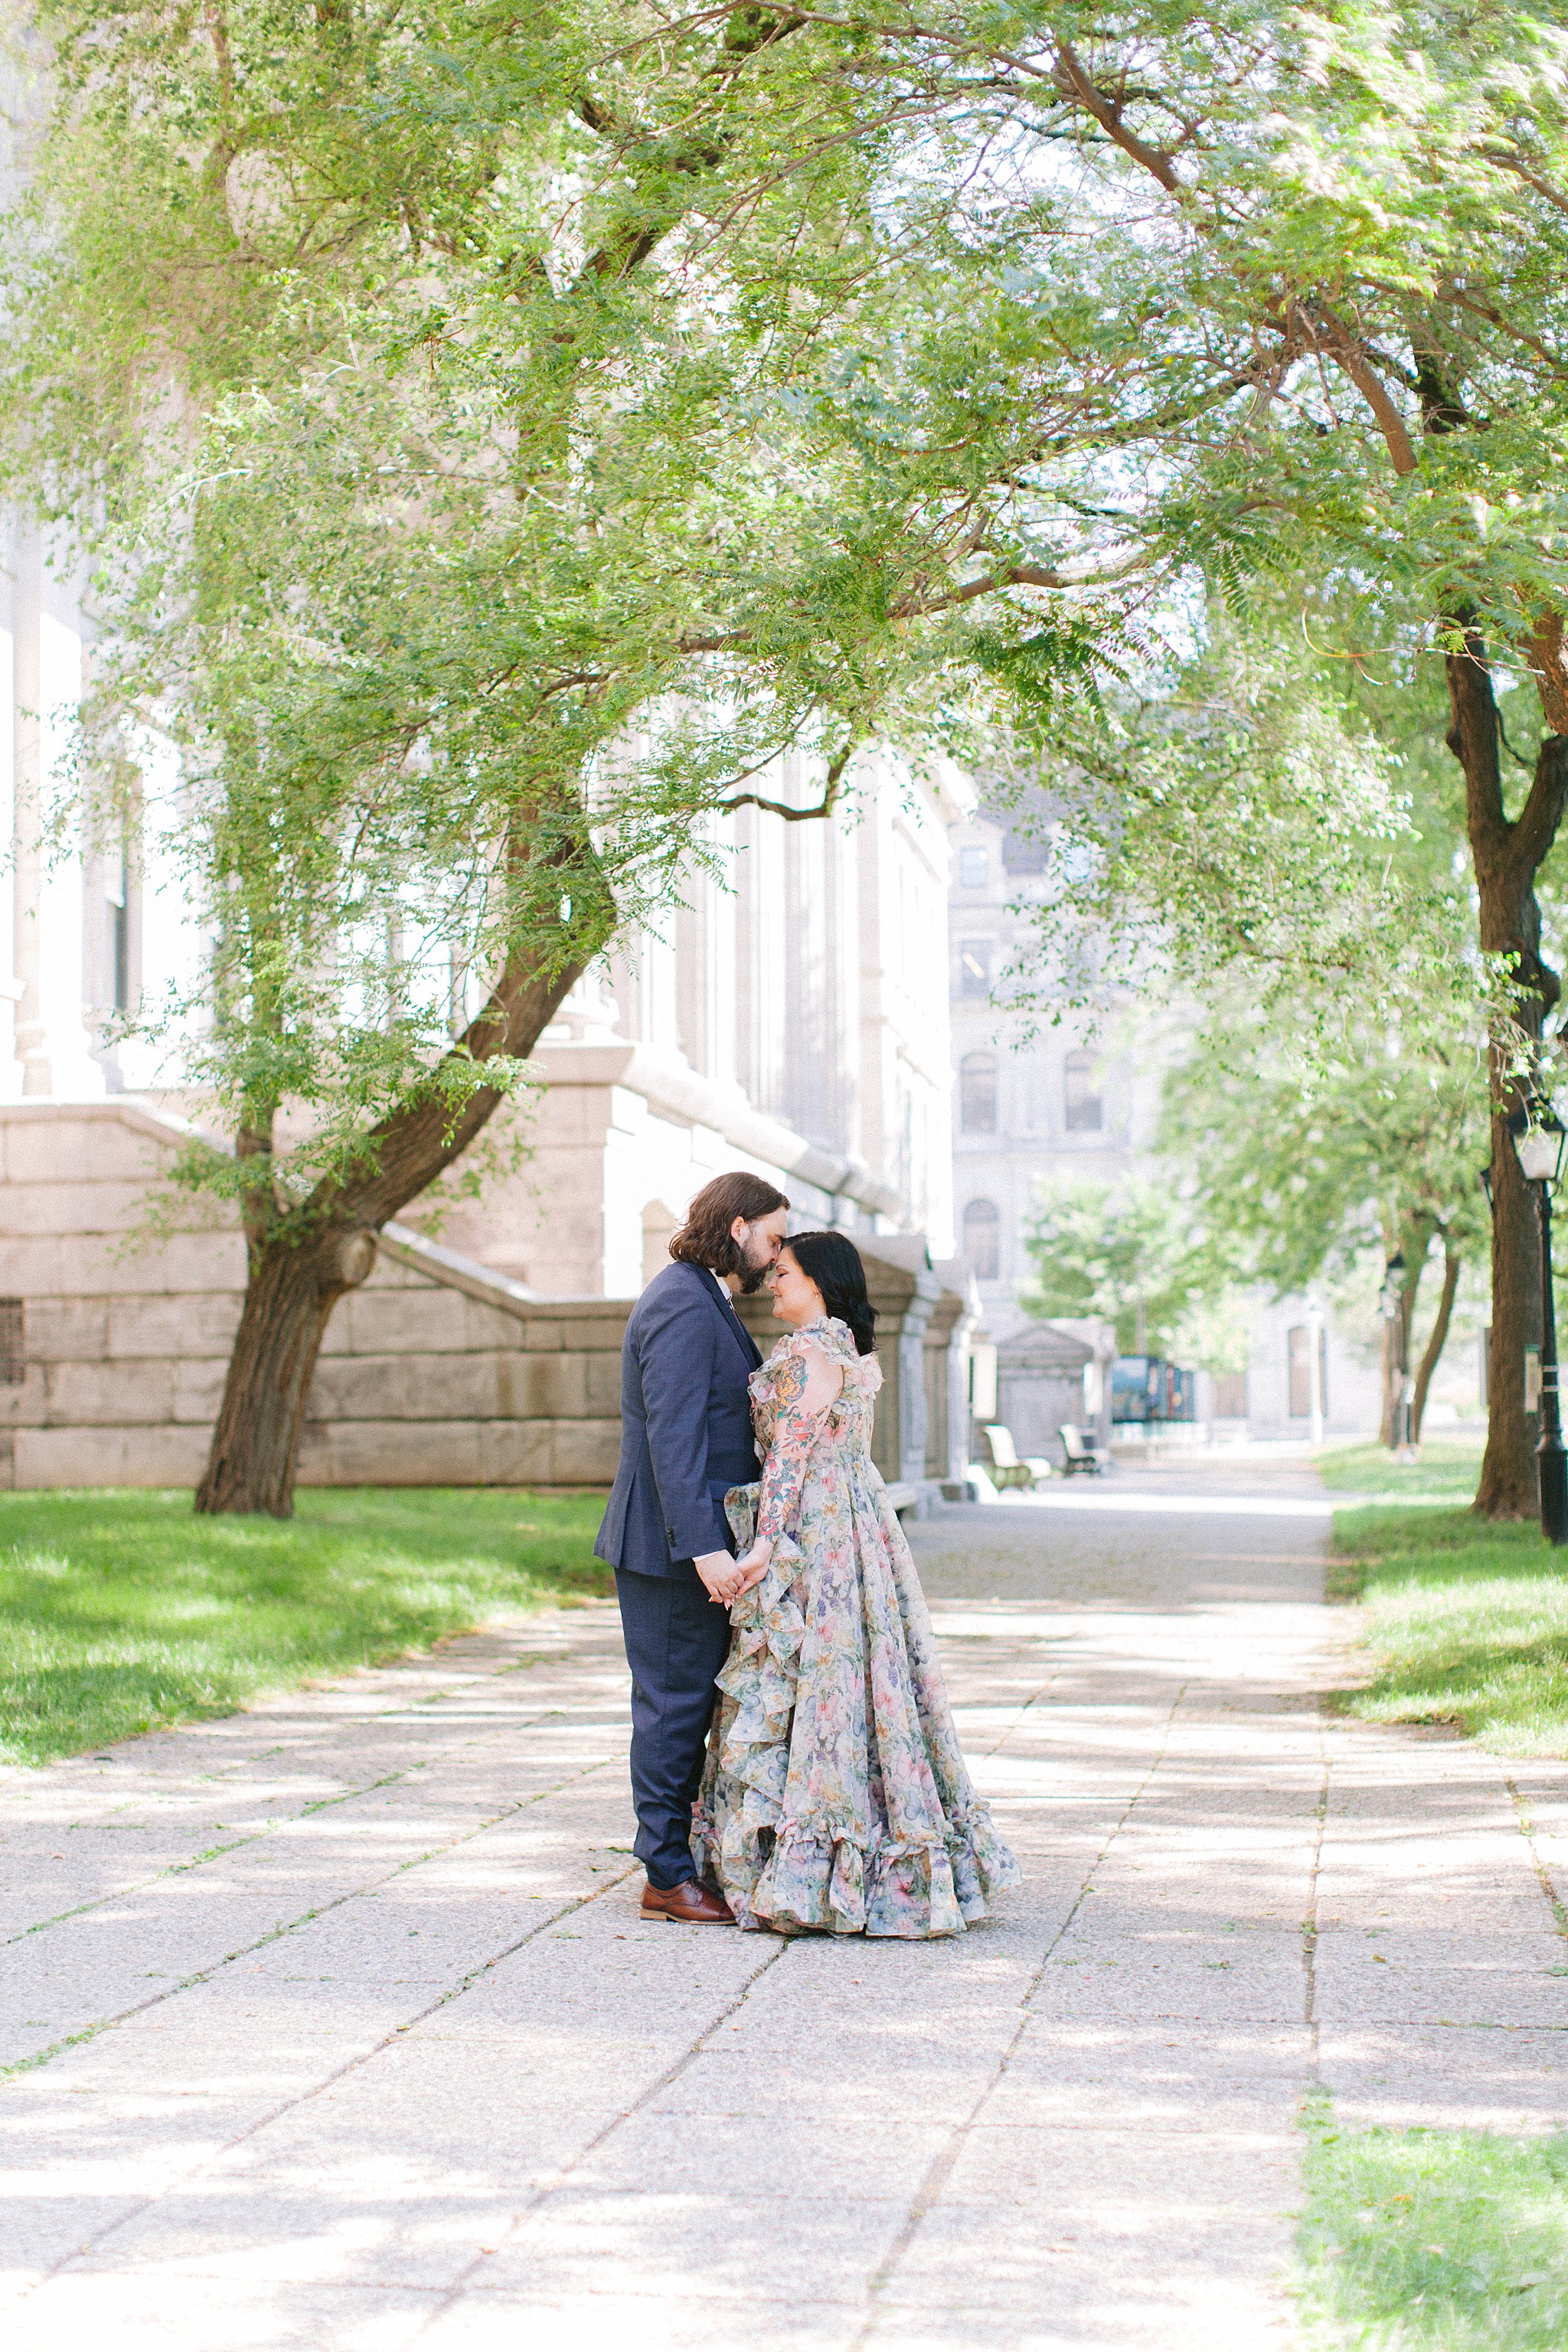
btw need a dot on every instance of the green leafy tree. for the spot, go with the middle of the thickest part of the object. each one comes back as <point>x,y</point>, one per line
<point>1119,1254</point>
<point>497,435</point>
<point>1322,274</point>
<point>1308,1169</point>
<point>802,366</point>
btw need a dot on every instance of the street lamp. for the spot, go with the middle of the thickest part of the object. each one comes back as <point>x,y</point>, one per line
<point>1392,1300</point>
<point>1539,1140</point>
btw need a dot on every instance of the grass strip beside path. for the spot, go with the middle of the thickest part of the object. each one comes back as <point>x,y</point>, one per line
<point>1434,2241</point>
<point>1466,1619</point>
<point>121,1611</point>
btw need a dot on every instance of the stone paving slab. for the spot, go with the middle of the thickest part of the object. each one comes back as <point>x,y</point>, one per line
<point>335,2024</point>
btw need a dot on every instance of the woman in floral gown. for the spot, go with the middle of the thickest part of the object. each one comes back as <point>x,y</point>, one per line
<point>836,1794</point>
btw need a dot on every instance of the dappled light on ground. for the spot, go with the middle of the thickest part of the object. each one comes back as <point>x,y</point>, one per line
<point>335,2023</point>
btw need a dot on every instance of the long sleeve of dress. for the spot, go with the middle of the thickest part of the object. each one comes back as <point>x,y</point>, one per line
<point>807,1385</point>
<point>793,1436</point>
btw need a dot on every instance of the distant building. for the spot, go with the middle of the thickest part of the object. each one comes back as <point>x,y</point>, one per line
<point>1057,1103</point>
<point>1060,1102</point>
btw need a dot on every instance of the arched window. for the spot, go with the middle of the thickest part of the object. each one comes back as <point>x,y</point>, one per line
<point>983,1240</point>
<point>977,1094</point>
<point>1084,1109</point>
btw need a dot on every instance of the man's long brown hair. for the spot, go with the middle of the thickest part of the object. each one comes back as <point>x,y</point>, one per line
<point>705,1238</point>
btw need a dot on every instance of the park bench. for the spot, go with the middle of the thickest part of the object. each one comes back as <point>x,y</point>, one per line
<point>1006,1466</point>
<point>1080,1452</point>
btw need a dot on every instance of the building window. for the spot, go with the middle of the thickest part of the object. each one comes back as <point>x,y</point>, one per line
<point>973,869</point>
<point>977,1094</point>
<point>1298,1363</point>
<point>1085,1110</point>
<point>983,1240</point>
<point>975,967</point>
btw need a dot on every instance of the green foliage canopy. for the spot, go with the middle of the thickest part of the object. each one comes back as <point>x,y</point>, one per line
<point>498,436</point>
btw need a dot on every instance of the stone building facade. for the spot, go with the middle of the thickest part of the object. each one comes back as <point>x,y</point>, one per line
<point>789,1017</point>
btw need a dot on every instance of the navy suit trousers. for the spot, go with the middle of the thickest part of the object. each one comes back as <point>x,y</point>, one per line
<point>676,1640</point>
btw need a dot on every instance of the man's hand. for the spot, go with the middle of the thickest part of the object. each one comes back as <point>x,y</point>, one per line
<point>718,1571</point>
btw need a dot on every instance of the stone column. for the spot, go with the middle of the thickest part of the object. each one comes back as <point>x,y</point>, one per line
<point>27,820</point>
<point>10,984</point>
<point>904,1291</point>
<point>53,1046</point>
<point>953,1321</point>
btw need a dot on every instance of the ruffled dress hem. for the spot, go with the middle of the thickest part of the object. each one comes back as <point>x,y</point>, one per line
<point>825,1875</point>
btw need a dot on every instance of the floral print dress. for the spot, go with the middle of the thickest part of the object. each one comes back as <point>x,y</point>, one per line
<point>835,1795</point>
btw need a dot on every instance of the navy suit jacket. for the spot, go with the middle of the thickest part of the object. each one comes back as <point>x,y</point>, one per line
<point>686,1424</point>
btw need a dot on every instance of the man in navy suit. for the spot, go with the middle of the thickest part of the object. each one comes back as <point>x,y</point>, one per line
<point>686,1438</point>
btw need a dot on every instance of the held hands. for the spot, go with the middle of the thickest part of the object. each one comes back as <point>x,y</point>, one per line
<point>719,1573</point>
<point>753,1566</point>
<point>727,1580</point>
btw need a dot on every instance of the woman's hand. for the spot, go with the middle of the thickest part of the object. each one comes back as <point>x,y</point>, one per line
<point>751,1567</point>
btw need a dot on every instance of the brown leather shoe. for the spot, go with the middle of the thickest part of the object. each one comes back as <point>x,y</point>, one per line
<point>698,1906</point>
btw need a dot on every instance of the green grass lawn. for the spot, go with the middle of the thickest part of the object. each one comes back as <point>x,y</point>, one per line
<point>120,1609</point>
<point>1466,1620</point>
<point>1435,2241</point>
<point>1447,1472</point>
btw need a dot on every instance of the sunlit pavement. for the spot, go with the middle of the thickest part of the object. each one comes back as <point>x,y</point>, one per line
<point>335,2024</point>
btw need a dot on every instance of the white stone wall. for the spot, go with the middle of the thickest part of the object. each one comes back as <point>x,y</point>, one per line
<point>1353,1384</point>
<point>437,1371</point>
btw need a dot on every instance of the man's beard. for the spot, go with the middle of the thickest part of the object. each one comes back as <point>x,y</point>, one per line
<point>753,1277</point>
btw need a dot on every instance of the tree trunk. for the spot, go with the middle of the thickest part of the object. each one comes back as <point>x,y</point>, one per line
<point>1435,1339</point>
<point>301,1261</point>
<point>293,1288</point>
<point>1508,856</point>
<point>1509,1489</point>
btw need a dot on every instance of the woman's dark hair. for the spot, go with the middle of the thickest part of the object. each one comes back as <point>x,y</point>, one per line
<point>835,1265</point>
<point>705,1238</point>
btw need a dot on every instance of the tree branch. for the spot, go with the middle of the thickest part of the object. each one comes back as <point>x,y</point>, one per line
<point>1535,827</point>
<point>825,806</point>
<point>1509,160</point>
<point>1074,82</point>
<point>1551,670</point>
<point>1350,353</point>
<point>1435,1337</point>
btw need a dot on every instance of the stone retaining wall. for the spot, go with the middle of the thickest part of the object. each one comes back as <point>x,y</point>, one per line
<point>437,1372</point>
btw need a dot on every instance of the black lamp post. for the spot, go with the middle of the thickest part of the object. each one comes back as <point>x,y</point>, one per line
<point>1539,1140</point>
<point>1392,1298</point>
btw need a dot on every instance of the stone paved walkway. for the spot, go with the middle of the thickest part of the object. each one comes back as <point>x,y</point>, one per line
<point>334,2025</point>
